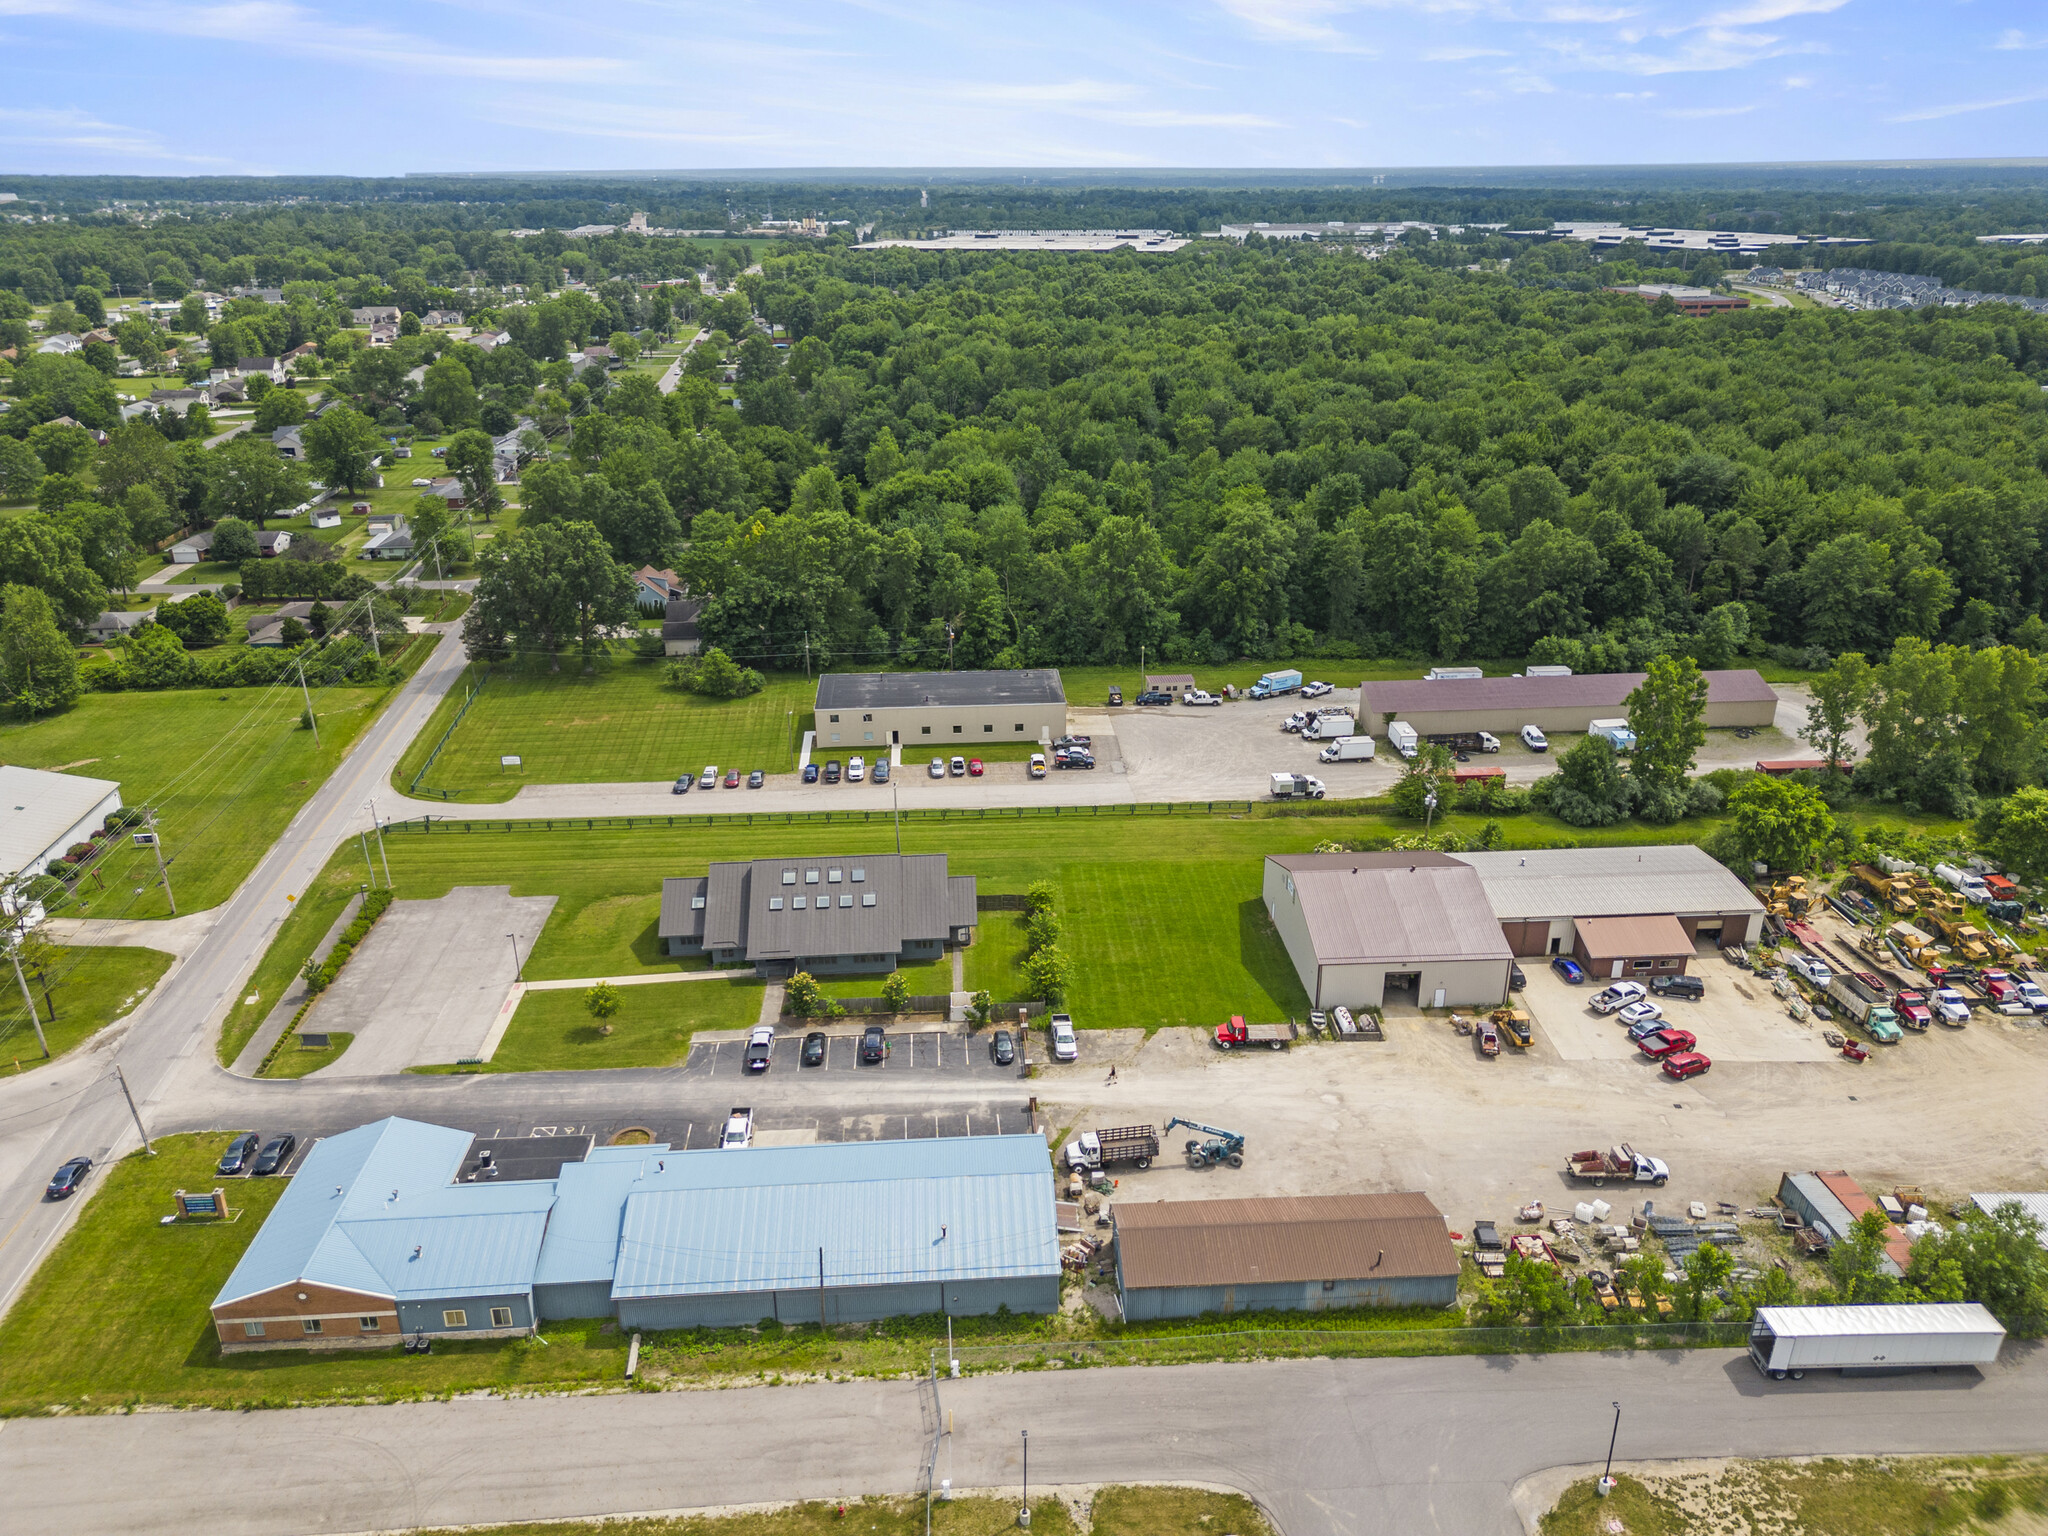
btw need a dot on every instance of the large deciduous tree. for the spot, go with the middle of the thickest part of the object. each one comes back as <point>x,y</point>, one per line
<point>252,482</point>
<point>1779,823</point>
<point>37,664</point>
<point>340,444</point>
<point>1667,712</point>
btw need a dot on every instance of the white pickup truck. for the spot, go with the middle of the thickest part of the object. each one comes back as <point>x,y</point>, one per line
<point>1199,696</point>
<point>1066,1045</point>
<point>739,1129</point>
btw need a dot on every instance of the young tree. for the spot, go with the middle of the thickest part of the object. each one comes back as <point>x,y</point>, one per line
<point>802,996</point>
<point>1427,773</point>
<point>1045,974</point>
<point>37,664</point>
<point>1840,695</point>
<point>340,445</point>
<point>1853,1263</point>
<point>602,1001</point>
<point>1667,712</point>
<point>896,992</point>
<point>1778,823</point>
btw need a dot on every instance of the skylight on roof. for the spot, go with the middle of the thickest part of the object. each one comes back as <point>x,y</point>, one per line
<point>832,877</point>
<point>696,903</point>
<point>867,898</point>
<point>810,877</point>
<point>859,874</point>
<point>796,903</point>
<point>846,901</point>
<point>775,903</point>
<point>789,877</point>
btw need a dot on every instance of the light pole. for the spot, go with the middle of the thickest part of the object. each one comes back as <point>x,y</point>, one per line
<point>311,719</point>
<point>1024,1514</point>
<point>518,965</point>
<point>1607,1477</point>
<point>14,954</point>
<point>371,807</point>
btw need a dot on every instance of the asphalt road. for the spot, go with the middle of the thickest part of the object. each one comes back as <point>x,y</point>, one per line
<point>72,1107</point>
<point>1330,1448</point>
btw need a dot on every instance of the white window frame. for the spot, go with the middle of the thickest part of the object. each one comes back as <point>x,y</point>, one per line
<point>454,1317</point>
<point>501,1317</point>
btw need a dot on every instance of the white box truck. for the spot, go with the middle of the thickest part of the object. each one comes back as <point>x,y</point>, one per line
<point>1615,733</point>
<point>1274,684</point>
<point>1903,1336</point>
<point>1330,725</point>
<point>1401,737</point>
<point>1350,749</point>
<point>1296,786</point>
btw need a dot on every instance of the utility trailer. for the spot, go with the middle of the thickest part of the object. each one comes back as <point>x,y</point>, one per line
<point>1902,1336</point>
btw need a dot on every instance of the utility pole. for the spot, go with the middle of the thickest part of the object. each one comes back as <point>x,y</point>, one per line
<point>896,808</point>
<point>363,839</point>
<point>141,1129</point>
<point>311,718</point>
<point>156,844</point>
<point>372,807</point>
<point>14,954</point>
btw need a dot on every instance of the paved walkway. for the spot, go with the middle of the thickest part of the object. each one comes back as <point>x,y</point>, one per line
<point>642,980</point>
<point>178,936</point>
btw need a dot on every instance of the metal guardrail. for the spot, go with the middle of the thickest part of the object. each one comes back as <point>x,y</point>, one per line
<point>423,824</point>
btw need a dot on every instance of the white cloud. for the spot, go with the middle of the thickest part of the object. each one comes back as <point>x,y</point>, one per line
<point>1957,109</point>
<point>1715,49</point>
<point>1308,21</point>
<point>1709,111</point>
<point>1798,82</point>
<point>2013,38</point>
<point>1761,13</point>
<point>70,128</point>
<point>1586,15</point>
<point>1459,55</point>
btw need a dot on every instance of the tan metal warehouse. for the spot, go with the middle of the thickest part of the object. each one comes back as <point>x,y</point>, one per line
<point>1361,926</point>
<point>1504,705</point>
<point>1540,895</point>
<point>1638,947</point>
<point>945,712</point>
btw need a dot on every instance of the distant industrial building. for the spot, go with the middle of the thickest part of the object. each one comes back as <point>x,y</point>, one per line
<point>1607,236</point>
<point>1440,930</point>
<point>43,814</point>
<point>867,913</point>
<point>1690,301</point>
<point>393,1228</point>
<point>1504,705</point>
<point>1310,1253</point>
<point>945,711</point>
<point>1148,241</point>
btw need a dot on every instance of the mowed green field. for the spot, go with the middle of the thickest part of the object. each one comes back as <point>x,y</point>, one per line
<point>90,985</point>
<point>226,772</point>
<point>623,724</point>
<point>1162,916</point>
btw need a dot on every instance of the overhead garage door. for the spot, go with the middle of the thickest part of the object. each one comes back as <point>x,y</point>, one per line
<point>1527,938</point>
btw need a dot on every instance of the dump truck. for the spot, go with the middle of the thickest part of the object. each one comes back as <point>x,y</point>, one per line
<point>1237,1032</point>
<point>1968,941</point>
<point>1347,749</point>
<point>1894,891</point>
<point>1916,946</point>
<point>1296,786</point>
<point>1274,684</point>
<point>1113,1147</point>
<point>1622,1165</point>
<point>1902,1336</point>
<point>1875,1019</point>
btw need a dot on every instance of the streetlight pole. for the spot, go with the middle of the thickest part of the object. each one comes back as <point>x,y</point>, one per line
<point>156,844</point>
<point>1607,1477</point>
<point>371,806</point>
<point>1024,1514</point>
<point>518,965</point>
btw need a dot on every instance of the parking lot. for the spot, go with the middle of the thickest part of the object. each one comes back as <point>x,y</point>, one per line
<point>929,1054</point>
<point>1737,1020</point>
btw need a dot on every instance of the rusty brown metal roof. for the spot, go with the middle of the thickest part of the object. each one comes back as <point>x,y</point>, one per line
<point>1392,1236</point>
<point>1625,938</point>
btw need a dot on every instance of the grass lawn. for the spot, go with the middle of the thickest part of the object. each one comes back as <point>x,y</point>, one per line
<point>152,1341</point>
<point>92,985</point>
<point>1838,1496</point>
<point>226,772</point>
<point>927,979</point>
<point>301,1060</point>
<point>620,724</point>
<point>1121,1511</point>
<point>553,1031</point>
<point>995,961</point>
<point>205,571</point>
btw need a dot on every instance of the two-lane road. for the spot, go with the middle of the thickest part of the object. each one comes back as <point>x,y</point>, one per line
<point>1330,1448</point>
<point>71,1107</point>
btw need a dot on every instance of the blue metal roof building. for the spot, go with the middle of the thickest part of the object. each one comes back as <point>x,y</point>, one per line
<point>374,1237</point>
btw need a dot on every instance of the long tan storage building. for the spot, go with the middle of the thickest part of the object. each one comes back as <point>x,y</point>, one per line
<point>943,712</point>
<point>1503,705</point>
<point>1542,896</point>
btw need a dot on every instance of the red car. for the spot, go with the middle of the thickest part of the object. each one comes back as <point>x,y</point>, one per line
<point>1664,1042</point>
<point>1684,1064</point>
<point>732,779</point>
<point>974,767</point>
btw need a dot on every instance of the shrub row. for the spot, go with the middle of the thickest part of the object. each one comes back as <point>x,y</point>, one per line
<point>120,671</point>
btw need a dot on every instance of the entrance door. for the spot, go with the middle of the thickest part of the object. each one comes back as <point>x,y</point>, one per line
<point>1553,945</point>
<point>1615,974</point>
<point>895,738</point>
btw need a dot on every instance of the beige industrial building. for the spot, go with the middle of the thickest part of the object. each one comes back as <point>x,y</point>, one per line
<point>1541,896</point>
<point>1503,705</point>
<point>945,712</point>
<point>1364,929</point>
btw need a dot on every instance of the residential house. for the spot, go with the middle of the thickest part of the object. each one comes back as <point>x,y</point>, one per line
<point>450,490</point>
<point>376,314</point>
<point>226,392</point>
<point>417,376</point>
<point>272,368</point>
<point>267,628</point>
<point>442,317</point>
<point>487,340</point>
<point>602,357</point>
<point>679,635</point>
<point>290,442</point>
<point>652,589</point>
<point>63,342</point>
<point>273,541</point>
<point>179,400</point>
<point>111,626</point>
<point>193,550</point>
<point>383,335</point>
<point>92,336</point>
<point>303,349</point>
<point>393,543</point>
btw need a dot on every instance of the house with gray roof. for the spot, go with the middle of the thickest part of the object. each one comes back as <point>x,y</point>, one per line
<point>830,916</point>
<point>113,625</point>
<point>290,442</point>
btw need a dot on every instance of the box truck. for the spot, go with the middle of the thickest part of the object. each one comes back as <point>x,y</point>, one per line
<point>1329,725</point>
<point>1401,737</point>
<point>1273,684</point>
<point>1349,749</point>
<point>1614,732</point>
<point>1902,1336</point>
<point>1296,786</point>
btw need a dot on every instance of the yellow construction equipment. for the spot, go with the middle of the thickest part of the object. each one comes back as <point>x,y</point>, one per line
<point>1967,941</point>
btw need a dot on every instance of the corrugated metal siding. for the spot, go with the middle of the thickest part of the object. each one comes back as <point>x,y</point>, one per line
<point>1415,699</point>
<point>558,1303</point>
<point>843,1304</point>
<point>424,1315</point>
<point>911,690</point>
<point>1609,882</point>
<point>1394,909</point>
<point>1153,1303</point>
<point>1365,1238</point>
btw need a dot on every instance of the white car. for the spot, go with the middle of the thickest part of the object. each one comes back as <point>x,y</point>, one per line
<point>1952,1007</point>
<point>856,769</point>
<point>1066,1046</point>
<point>1314,690</point>
<point>739,1130</point>
<point>1620,995</point>
<point>1534,739</point>
<point>1199,696</point>
<point>423,482</point>
<point>938,767</point>
<point>1640,1013</point>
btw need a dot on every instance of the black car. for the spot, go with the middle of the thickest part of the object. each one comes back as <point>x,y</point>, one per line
<point>832,771</point>
<point>1154,696</point>
<point>1072,760</point>
<point>814,1048</point>
<point>682,785</point>
<point>756,779</point>
<point>1002,1050</point>
<point>810,773</point>
<point>1679,986</point>
<point>275,1154</point>
<point>241,1151</point>
<point>68,1178</point>
<point>880,772</point>
<point>1516,979</point>
<point>874,1045</point>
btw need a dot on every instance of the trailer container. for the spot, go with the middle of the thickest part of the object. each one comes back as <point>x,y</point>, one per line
<point>1903,1336</point>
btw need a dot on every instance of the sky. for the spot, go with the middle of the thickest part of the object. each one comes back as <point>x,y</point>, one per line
<point>384,87</point>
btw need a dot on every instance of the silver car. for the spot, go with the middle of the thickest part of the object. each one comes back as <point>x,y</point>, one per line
<point>938,767</point>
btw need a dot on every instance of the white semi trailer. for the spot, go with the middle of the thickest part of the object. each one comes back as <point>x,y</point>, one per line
<point>1790,1341</point>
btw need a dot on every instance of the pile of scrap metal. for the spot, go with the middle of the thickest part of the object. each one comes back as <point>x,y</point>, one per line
<point>1077,1254</point>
